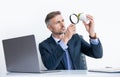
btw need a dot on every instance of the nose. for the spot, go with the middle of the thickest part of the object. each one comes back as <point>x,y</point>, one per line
<point>62,24</point>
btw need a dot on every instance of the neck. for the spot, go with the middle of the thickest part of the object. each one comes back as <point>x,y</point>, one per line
<point>58,36</point>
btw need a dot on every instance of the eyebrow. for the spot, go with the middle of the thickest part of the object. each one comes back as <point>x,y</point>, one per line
<point>60,21</point>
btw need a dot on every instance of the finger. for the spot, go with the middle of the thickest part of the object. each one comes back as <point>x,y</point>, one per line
<point>72,27</point>
<point>72,24</point>
<point>84,23</point>
<point>90,17</point>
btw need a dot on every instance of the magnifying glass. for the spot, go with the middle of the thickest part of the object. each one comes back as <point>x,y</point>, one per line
<point>74,18</point>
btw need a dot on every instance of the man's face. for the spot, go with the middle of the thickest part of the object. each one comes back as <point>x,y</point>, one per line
<point>57,25</point>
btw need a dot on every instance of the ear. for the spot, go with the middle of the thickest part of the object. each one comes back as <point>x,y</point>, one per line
<point>49,27</point>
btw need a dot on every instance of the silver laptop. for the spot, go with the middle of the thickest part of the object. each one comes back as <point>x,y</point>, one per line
<point>106,70</point>
<point>21,54</point>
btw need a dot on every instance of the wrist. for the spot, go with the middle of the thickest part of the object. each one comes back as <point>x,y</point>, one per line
<point>93,36</point>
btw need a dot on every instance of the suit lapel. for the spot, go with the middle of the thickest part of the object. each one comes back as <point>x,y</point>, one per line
<point>54,46</point>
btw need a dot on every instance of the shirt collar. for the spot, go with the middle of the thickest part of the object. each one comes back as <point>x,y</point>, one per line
<point>56,39</point>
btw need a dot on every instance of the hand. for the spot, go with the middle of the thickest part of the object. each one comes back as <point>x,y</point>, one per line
<point>90,27</point>
<point>69,33</point>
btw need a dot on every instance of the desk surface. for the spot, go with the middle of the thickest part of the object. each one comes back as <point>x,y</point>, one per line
<point>68,73</point>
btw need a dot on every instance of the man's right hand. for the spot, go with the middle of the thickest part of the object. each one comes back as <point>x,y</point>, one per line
<point>71,29</point>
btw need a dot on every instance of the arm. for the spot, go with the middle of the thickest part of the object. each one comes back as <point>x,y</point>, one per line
<point>92,50</point>
<point>95,44</point>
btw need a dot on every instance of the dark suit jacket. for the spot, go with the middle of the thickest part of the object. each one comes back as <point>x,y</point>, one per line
<point>52,53</point>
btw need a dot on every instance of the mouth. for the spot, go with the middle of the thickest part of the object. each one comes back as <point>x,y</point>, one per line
<point>63,29</point>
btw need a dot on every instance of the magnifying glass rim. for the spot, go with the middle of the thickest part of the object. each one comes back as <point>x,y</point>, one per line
<point>71,19</point>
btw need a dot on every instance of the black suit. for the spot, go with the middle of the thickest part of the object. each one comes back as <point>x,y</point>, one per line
<point>52,53</point>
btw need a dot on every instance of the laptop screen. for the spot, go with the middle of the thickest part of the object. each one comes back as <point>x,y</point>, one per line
<point>21,54</point>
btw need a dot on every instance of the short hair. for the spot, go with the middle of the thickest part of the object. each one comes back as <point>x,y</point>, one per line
<point>51,15</point>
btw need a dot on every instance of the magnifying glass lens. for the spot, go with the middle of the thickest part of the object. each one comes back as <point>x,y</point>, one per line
<point>74,19</point>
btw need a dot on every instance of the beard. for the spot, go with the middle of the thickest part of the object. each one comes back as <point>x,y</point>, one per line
<point>59,32</point>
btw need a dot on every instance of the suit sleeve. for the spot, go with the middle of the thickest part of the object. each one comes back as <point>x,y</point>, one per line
<point>92,50</point>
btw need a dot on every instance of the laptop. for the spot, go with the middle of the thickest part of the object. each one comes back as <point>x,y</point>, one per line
<point>106,70</point>
<point>21,54</point>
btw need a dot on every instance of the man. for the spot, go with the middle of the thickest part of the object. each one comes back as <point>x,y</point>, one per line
<point>62,50</point>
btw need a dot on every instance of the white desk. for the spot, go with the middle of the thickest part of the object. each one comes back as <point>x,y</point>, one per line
<point>64,73</point>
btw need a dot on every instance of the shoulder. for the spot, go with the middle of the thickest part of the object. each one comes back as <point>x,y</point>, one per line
<point>77,36</point>
<point>45,42</point>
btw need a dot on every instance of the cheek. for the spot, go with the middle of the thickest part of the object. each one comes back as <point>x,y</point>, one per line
<point>54,28</point>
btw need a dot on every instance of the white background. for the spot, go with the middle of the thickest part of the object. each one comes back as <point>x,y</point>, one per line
<point>24,17</point>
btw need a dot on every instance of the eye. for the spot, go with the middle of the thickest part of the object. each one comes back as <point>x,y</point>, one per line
<point>57,22</point>
<point>62,20</point>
